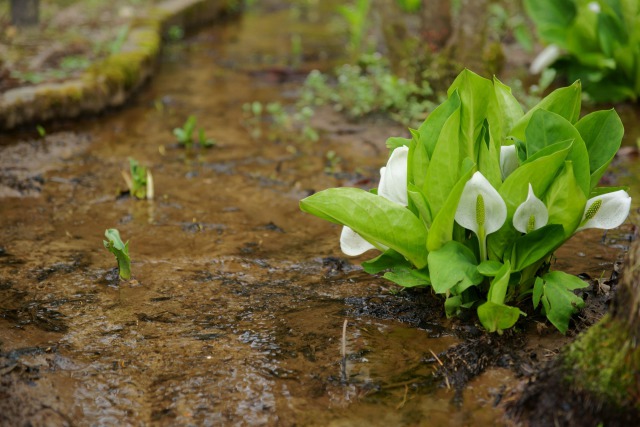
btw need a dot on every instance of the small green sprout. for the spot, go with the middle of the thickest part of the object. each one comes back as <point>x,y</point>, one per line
<point>139,180</point>
<point>120,250</point>
<point>41,131</point>
<point>185,134</point>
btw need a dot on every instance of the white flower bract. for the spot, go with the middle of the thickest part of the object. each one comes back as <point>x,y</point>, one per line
<point>606,211</point>
<point>495,210</point>
<point>531,214</point>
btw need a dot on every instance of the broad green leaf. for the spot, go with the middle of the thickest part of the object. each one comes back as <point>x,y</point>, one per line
<point>547,128</point>
<point>504,111</point>
<point>443,165</point>
<point>474,91</point>
<point>536,245</point>
<point>408,277</point>
<point>442,227</point>
<point>564,200</point>
<point>538,289</point>
<point>432,126</point>
<point>610,33</point>
<point>552,18</point>
<point>602,133</point>
<point>418,162</point>
<point>385,261</point>
<point>565,101</point>
<point>497,317</point>
<point>489,268</point>
<point>453,265</point>
<point>375,218</point>
<point>489,165</point>
<point>120,250</point>
<point>558,299</point>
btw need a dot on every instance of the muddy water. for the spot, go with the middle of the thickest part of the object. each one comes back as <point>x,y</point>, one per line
<point>235,315</point>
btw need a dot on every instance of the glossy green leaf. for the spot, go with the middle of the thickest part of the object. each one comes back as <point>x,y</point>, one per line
<point>385,261</point>
<point>408,277</point>
<point>536,245</point>
<point>504,111</point>
<point>453,265</point>
<point>564,200</point>
<point>443,165</point>
<point>120,250</point>
<point>547,128</point>
<point>559,302</point>
<point>489,268</point>
<point>375,218</point>
<point>602,133</point>
<point>474,92</point>
<point>430,129</point>
<point>552,18</point>
<point>418,163</point>
<point>497,317</point>
<point>565,101</point>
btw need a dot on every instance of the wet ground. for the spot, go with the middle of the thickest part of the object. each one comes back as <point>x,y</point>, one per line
<point>236,312</point>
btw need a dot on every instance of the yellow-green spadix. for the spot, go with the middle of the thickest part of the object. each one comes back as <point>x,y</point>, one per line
<point>393,187</point>
<point>531,214</point>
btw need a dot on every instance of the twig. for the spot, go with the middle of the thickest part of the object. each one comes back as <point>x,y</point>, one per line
<point>404,399</point>
<point>344,350</point>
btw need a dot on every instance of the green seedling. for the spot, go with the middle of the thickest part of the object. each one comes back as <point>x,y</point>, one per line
<point>139,180</point>
<point>476,202</point>
<point>120,251</point>
<point>41,131</point>
<point>185,134</point>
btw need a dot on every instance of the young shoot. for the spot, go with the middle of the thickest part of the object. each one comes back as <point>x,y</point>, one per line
<point>185,135</point>
<point>120,251</point>
<point>139,180</point>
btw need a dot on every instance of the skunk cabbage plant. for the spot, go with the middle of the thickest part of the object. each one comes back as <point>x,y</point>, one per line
<point>596,41</point>
<point>474,204</point>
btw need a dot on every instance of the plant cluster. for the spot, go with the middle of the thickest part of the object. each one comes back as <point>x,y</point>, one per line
<point>360,90</point>
<point>475,203</point>
<point>594,41</point>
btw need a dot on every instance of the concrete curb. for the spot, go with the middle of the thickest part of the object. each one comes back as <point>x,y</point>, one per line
<point>109,82</point>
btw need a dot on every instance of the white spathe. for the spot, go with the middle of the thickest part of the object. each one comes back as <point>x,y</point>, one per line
<point>393,187</point>
<point>508,160</point>
<point>606,211</point>
<point>495,210</point>
<point>545,58</point>
<point>532,207</point>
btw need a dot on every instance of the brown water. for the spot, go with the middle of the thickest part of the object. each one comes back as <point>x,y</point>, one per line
<point>236,311</point>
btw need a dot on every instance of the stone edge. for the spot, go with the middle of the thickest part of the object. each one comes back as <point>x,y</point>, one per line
<point>111,81</point>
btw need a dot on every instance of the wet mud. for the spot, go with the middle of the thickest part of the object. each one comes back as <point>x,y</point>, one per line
<point>236,309</point>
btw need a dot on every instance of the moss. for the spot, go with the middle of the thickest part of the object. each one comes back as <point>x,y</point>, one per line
<point>605,361</point>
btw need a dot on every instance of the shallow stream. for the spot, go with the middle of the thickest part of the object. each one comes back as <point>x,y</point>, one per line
<point>235,315</point>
